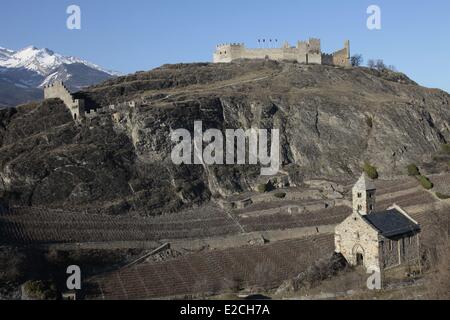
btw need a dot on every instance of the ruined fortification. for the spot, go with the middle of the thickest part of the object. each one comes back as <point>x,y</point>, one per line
<point>308,52</point>
<point>77,107</point>
<point>60,91</point>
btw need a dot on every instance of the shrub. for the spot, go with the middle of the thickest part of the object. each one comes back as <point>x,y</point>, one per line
<point>442,196</point>
<point>369,122</point>
<point>371,171</point>
<point>41,290</point>
<point>321,270</point>
<point>425,182</point>
<point>446,148</point>
<point>280,195</point>
<point>262,188</point>
<point>265,187</point>
<point>413,170</point>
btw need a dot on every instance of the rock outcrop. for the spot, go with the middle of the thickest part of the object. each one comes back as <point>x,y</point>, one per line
<point>331,121</point>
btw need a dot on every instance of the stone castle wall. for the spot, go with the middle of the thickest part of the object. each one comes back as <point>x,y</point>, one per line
<point>304,52</point>
<point>342,57</point>
<point>77,106</point>
<point>60,91</point>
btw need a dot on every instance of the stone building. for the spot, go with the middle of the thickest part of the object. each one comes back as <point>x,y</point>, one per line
<point>308,52</point>
<point>379,240</point>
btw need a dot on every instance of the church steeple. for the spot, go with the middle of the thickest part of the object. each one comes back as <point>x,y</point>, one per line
<point>364,196</point>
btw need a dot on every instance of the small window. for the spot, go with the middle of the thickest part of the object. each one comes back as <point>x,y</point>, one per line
<point>359,207</point>
<point>391,245</point>
<point>359,194</point>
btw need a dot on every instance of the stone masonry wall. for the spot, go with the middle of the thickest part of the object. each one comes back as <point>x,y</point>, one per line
<point>304,52</point>
<point>59,90</point>
<point>341,58</point>
<point>354,236</point>
<point>395,252</point>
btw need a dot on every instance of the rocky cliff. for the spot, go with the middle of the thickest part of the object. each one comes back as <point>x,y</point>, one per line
<point>331,121</point>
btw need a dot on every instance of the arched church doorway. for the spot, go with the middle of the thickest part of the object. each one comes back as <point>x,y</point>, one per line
<point>358,255</point>
<point>359,259</point>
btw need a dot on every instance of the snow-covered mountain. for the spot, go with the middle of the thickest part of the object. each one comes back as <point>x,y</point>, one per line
<point>24,73</point>
<point>5,54</point>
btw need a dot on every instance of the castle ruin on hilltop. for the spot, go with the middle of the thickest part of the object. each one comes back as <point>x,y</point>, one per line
<point>78,107</point>
<point>60,91</point>
<point>308,52</point>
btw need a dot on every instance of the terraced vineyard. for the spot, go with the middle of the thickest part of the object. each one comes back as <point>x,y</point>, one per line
<point>416,198</point>
<point>391,186</point>
<point>285,221</point>
<point>214,271</point>
<point>416,195</point>
<point>41,226</point>
<point>37,226</point>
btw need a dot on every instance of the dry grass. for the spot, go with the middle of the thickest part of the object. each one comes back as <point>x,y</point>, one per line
<point>436,255</point>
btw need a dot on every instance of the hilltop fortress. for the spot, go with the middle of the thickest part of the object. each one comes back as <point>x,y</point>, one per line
<point>308,52</point>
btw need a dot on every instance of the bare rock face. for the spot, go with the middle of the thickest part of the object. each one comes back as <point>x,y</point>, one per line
<point>331,121</point>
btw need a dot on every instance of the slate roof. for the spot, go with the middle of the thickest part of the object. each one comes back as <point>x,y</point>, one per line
<point>391,223</point>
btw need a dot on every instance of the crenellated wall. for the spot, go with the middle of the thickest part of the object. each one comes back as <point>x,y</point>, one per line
<point>304,52</point>
<point>60,91</point>
<point>77,106</point>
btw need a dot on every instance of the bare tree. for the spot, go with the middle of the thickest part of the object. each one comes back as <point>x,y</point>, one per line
<point>371,64</point>
<point>380,66</point>
<point>392,68</point>
<point>357,60</point>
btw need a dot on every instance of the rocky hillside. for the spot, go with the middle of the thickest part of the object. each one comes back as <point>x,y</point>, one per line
<point>331,121</point>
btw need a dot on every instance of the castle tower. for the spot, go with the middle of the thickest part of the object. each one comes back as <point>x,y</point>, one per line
<point>363,194</point>
<point>347,48</point>
<point>225,53</point>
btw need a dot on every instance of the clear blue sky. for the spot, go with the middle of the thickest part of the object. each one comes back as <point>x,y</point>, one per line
<point>132,35</point>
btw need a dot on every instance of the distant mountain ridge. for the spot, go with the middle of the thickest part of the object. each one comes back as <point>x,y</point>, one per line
<point>24,73</point>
